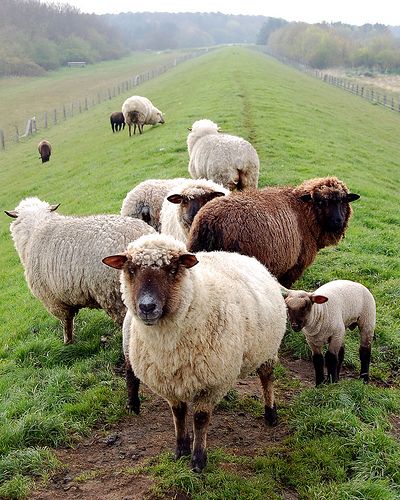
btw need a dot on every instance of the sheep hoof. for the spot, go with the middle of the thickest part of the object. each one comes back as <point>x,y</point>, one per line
<point>364,377</point>
<point>133,406</point>
<point>271,416</point>
<point>183,448</point>
<point>199,461</point>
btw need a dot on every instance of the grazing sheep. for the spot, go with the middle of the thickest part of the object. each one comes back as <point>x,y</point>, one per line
<point>145,200</point>
<point>44,148</point>
<point>195,330</point>
<point>283,227</point>
<point>62,256</point>
<point>139,111</point>
<point>117,121</point>
<point>182,204</point>
<point>324,316</point>
<point>223,158</point>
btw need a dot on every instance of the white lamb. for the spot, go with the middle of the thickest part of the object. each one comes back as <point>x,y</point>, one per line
<point>139,111</point>
<point>324,316</point>
<point>223,158</point>
<point>195,330</point>
<point>62,255</point>
<point>183,202</point>
<point>144,201</point>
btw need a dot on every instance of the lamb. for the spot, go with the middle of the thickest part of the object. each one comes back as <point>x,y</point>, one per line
<point>324,316</point>
<point>145,200</point>
<point>223,158</point>
<point>117,121</point>
<point>283,227</point>
<point>44,148</point>
<point>182,204</point>
<point>61,256</point>
<point>139,111</point>
<point>194,330</point>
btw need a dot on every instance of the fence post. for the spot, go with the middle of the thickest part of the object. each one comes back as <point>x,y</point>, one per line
<point>109,94</point>
<point>55,116</point>
<point>45,119</point>
<point>72,109</point>
<point>392,105</point>
<point>64,112</point>
<point>86,104</point>
<point>98,98</point>
<point>80,106</point>
<point>16,134</point>
<point>2,142</point>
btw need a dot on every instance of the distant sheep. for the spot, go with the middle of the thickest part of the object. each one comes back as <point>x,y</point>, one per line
<point>283,227</point>
<point>139,111</point>
<point>44,148</point>
<point>117,121</point>
<point>223,158</point>
<point>194,330</point>
<point>183,202</point>
<point>61,256</point>
<point>144,201</point>
<point>324,316</point>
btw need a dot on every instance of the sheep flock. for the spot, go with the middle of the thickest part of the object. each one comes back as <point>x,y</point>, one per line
<point>198,272</point>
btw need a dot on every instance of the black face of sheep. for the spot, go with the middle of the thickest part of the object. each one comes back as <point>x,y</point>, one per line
<point>332,213</point>
<point>190,206</point>
<point>153,288</point>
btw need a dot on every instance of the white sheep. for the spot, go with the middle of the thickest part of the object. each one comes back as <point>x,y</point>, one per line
<point>194,330</point>
<point>139,111</point>
<point>61,256</point>
<point>182,203</point>
<point>144,201</point>
<point>223,158</point>
<point>324,316</point>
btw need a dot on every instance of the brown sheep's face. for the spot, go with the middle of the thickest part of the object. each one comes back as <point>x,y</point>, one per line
<point>299,305</point>
<point>190,206</point>
<point>332,213</point>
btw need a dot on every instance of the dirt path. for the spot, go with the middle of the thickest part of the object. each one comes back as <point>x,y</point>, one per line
<point>95,468</point>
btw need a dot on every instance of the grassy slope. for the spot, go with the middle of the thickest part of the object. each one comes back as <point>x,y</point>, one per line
<point>301,128</point>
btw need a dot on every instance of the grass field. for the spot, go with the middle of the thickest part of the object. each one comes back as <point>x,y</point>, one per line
<point>342,442</point>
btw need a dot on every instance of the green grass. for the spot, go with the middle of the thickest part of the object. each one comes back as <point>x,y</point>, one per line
<point>340,446</point>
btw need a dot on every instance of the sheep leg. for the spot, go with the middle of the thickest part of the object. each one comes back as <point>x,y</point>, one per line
<point>179,412</point>
<point>340,361</point>
<point>266,374</point>
<point>201,421</point>
<point>67,319</point>
<point>318,362</point>
<point>130,133</point>
<point>331,361</point>
<point>140,128</point>
<point>134,129</point>
<point>132,385</point>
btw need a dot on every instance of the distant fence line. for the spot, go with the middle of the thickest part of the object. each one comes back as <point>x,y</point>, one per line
<point>370,93</point>
<point>63,112</point>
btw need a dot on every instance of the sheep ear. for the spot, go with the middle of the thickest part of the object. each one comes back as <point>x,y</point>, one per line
<point>318,299</point>
<point>190,129</point>
<point>284,291</point>
<point>352,197</point>
<point>11,213</point>
<point>188,260</point>
<point>175,198</point>
<point>54,207</point>
<point>305,197</point>
<point>115,261</point>
<point>216,194</point>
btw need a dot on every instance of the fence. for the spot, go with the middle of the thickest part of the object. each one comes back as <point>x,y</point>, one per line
<point>374,94</point>
<point>61,113</point>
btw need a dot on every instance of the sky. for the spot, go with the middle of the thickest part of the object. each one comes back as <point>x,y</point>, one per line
<point>355,12</point>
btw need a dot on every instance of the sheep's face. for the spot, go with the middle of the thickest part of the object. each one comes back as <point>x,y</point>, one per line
<point>332,212</point>
<point>299,306</point>
<point>160,118</point>
<point>189,206</point>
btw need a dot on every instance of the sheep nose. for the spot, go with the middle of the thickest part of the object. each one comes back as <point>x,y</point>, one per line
<point>147,307</point>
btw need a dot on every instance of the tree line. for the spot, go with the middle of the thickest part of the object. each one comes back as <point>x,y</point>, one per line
<point>326,45</point>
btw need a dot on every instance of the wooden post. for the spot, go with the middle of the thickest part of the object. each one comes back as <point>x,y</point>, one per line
<point>392,104</point>
<point>98,98</point>
<point>64,112</point>
<point>384,100</point>
<point>16,134</point>
<point>109,94</point>
<point>72,109</point>
<point>55,116</point>
<point>86,104</point>
<point>80,106</point>
<point>45,119</point>
<point>2,142</point>
<point>372,95</point>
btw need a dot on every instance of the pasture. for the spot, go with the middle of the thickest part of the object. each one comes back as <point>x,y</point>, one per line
<point>335,442</point>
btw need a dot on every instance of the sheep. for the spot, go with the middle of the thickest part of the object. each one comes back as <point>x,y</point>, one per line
<point>139,111</point>
<point>182,204</point>
<point>324,316</point>
<point>145,200</point>
<point>117,121</point>
<point>61,256</point>
<point>223,158</point>
<point>44,148</point>
<point>283,227</point>
<point>194,330</point>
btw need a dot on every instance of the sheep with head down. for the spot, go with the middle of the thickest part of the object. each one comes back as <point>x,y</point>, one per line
<point>283,227</point>
<point>196,323</point>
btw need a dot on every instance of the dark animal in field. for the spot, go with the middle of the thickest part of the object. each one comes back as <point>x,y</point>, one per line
<point>44,148</point>
<point>117,121</point>
<point>283,227</point>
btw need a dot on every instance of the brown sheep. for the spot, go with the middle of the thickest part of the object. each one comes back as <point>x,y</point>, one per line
<point>44,148</point>
<point>117,121</point>
<point>283,227</point>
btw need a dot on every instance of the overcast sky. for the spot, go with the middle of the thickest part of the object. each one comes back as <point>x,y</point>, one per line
<point>311,11</point>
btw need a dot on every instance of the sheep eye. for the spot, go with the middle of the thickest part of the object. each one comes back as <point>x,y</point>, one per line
<point>173,271</point>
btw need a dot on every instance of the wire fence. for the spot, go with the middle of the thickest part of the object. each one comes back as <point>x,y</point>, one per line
<point>59,114</point>
<point>373,94</point>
